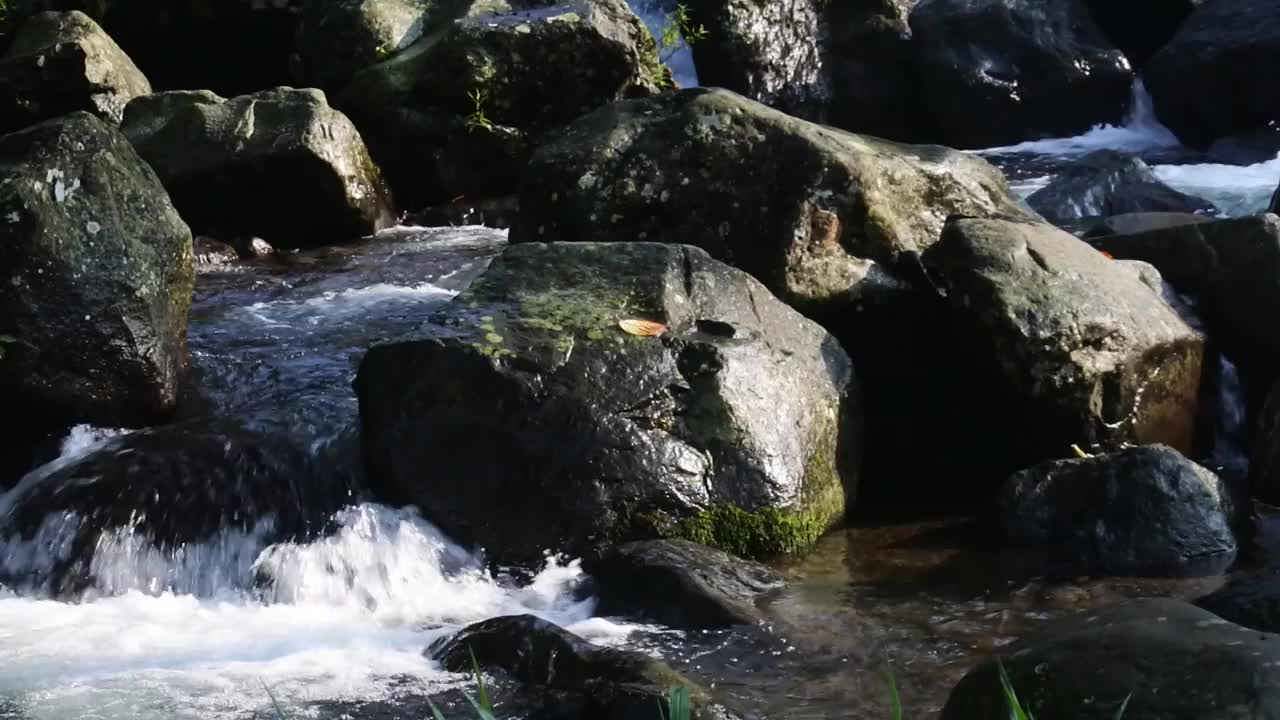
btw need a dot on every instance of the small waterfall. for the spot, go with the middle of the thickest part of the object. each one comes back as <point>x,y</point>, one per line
<point>655,14</point>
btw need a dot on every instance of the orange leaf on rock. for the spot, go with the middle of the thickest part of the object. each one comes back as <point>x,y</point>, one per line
<point>643,328</point>
<point>1108,255</point>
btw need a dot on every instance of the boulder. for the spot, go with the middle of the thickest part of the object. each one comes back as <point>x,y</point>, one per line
<point>1250,148</point>
<point>60,63</point>
<point>809,210</point>
<point>1138,222</point>
<point>737,427</point>
<point>166,487</point>
<point>278,164</point>
<point>98,277</point>
<point>1140,511</point>
<point>1172,660</point>
<point>1220,74</point>
<point>1251,599</point>
<point>459,112</point>
<point>997,72</point>
<point>337,38</point>
<point>615,684</point>
<point>771,52</point>
<point>681,584</point>
<point>1068,347</point>
<point>1264,460</point>
<point>1140,28</point>
<point>873,74</point>
<point>1230,267</point>
<point>1106,183</point>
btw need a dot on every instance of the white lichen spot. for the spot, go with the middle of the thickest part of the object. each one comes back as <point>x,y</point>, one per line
<point>87,318</point>
<point>13,217</point>
<point>664,196</point>
<point>92,227</point>
<point>587,181</point>
<point>524,29</point>
<point>555,197</point>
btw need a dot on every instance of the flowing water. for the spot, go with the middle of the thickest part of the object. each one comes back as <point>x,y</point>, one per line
<point>339,629</point>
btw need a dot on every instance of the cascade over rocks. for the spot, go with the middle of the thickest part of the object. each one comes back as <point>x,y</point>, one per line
<point>997,72</point>
<point>534,71</point>
<point>681,584</point>
<point>1220,74</point>
<point>97,279</point>
<point>1105,183</point>
<point>1173,661</point>
<point>1140,28</point>
<point>738,427</point>
<point>164,487</point>
<point>605,682</point>
<point>278,164</point>
<point>1067,346</point>
<point>60,63</point>
<point>1144,510</point>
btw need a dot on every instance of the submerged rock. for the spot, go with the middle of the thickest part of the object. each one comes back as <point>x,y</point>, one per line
<point>164,488</point>
<point>1172,660</point>
<point>98,276</point>
<point>459,112</point>
<point>681,584</point>
<point>279,164</point>
<point>60,63</point>
<point>1106,183</point>
<point>997,72</point>
<point>605,682</point>
<point>1067,347</point>
<point>737,427</point>
<point>1144,510</point>
<point>1220,74</point>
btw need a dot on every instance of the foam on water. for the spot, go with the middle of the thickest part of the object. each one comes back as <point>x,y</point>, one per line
<point>339,305</point>
<point>1236,189</point>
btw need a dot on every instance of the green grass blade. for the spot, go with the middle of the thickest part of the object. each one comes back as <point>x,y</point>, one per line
<point>895,701</point>
<point>435,711</point>
<point>275,704</point>
<point>1123,706</point>
<point>678,704</point>
<point>1016,712</point>
<point>484,695</point>
<point>482,712</point>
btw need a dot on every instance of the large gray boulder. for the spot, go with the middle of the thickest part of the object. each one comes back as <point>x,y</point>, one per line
<point>996,72</point>
<point>1144,510</point>
<point>1068,347</point>
<point>1172,660</point>
<point>63,62</point>
<point>1220,74</point>
<point>1106,183</point>
<point>337,38</point>
<point>738,427</point>
<point>279,164</point>
<point>97,275</point>
<point>459,112</point>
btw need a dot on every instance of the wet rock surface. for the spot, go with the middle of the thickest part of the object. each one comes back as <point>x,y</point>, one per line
<point>1107,183</point>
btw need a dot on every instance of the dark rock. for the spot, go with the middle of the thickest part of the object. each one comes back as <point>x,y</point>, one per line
<point>60,63</point>
<point>873,74</point>
<point>681,584</point>
<point>1220,74</point>
<point>337,38</point>
<point>1106,183</point>
<point>98,279</point>
<point>279,164</point>
<point>171,486</point>
<point>1264,460</point>
<point>1231,267</point>
<point>496,213</point>
<point>1251,599</point>
<point>996,72</point>
<point>1139,511</point>
<point>738,427</point>
<point>1251,148</point>
<point>1274,207</point>
<point>1140,28</point>
<point>1138,222</point>
<point>534,71</point>
<point>210,253</point>
<point>1072,348</point>
<point>771,52</point>
<point>1173,661</point>
<point>616,684</point>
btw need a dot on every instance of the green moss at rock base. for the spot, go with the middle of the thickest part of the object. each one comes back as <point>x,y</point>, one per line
<point>756,535</point>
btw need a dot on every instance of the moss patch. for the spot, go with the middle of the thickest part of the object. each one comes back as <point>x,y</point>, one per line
<point>754,535</point>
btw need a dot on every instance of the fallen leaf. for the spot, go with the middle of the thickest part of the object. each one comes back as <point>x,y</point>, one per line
<point>643,328</point>
<point>1108,255</point>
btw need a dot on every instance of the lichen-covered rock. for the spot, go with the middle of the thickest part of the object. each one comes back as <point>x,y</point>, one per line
<point>738,427</point>
<point>1140,28</point>
<point>63,62</point>
<point>681,584</point>
<point>1106,183</point>
<point>1144,510</point>
<point>996,72</point>
<point>97,278</point>
<point>1172,660</point>
<point>1071,348</point>
<point>279,164</point>
<point>1220,74</point>
<point>459,111</point>
<point>809,210</point>
<point>614,684</point>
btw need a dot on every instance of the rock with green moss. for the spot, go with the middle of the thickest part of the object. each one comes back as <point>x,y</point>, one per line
<point>96,275</point>
<point>599,682</point>
<point>525,417</point>
<point>459,111</point>
<point>63,62</point>
<point>1061,345</point>
<point>279,164</point>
